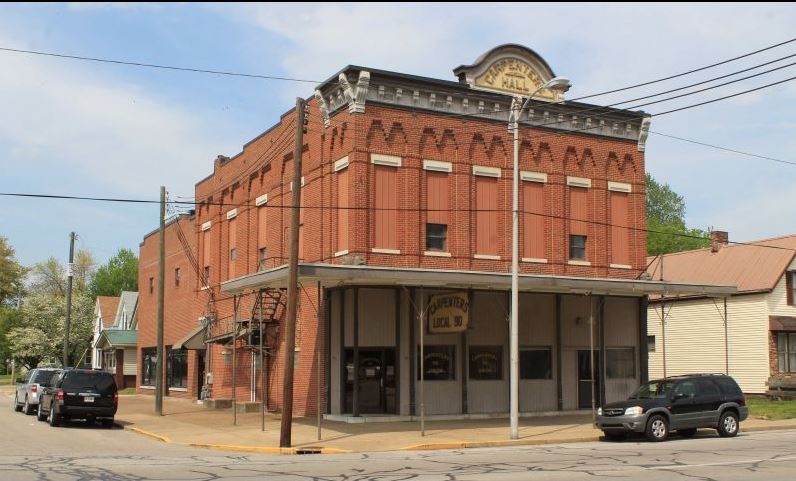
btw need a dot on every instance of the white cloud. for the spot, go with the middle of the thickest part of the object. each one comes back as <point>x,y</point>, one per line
<point>97,134</point>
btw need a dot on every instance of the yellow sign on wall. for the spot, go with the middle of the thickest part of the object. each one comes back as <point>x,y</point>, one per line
<point>513,76</point>
<point>448,313</point>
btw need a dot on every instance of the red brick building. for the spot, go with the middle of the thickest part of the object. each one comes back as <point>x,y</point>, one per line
<point>406,208</point>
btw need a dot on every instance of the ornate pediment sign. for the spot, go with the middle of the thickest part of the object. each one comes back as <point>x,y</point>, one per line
<point>510,69</point>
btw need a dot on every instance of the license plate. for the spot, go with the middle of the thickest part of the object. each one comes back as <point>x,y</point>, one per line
<point>88,399</point>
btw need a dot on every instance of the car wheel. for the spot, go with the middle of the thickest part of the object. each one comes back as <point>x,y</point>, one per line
<point>27,408</point>
<point>40,414</point>
<point>16,405</point>
<point>728,424</point>
<point>107,423</point>
<point>55,418</point>
<point>657,428</point>
<point>687,433</point>
<point>615,436</point>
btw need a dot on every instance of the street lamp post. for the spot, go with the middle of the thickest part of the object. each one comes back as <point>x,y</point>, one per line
<point>560,84</point>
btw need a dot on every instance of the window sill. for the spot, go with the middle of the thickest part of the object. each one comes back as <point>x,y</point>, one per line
<point>436,254</point>
<point>534,260</point>
<point>341,253</point>
<point>385,251</point>
<point>579,263</point>
<point>147,387</point>
<point>486,257</point>
<point>178,389</point>
<point>621,266</point>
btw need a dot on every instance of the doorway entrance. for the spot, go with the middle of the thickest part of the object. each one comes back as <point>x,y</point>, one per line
<point>584,379</point>
<point>376,371</point>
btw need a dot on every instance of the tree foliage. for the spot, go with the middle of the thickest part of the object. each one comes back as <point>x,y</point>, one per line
<point>119,274</point>
<point>40,336</point>
<point>49,277</point>
<point>667,231</point>
<point>11,273</point>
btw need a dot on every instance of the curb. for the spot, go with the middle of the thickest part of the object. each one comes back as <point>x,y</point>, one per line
<point>271,450</point>
<point>497,444</point>
<point>158,437</point>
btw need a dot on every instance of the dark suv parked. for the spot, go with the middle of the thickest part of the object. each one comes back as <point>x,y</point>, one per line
<point>681,403</point>
<point>80,394</point>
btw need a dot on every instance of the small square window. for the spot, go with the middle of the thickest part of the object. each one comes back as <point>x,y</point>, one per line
<point>151,285</point>
<point>233,254</point>
<point>577,247</point>
<point>437,237</point>
<point>177,277</point>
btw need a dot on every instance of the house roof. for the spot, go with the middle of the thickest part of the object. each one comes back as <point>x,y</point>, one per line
<point>117,338</point>
<point>108,305</point>
<point>753,266</point>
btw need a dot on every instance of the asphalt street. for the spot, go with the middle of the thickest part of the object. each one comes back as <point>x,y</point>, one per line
<point>35,451</point>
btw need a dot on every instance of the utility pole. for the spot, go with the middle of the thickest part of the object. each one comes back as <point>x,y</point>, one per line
<point>161,282</point>
<point>292,284</point>
<point>70,273</point>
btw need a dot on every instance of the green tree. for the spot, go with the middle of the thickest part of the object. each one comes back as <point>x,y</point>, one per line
<point>119,274</point>
<point>666,227</point>
<point>11,273</point>
<point>10,317</point>
<point>40,335</point>
<point>49,277</point>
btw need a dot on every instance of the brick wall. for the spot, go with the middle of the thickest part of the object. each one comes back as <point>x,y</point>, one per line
<point>265,167</point>
<point>183,304</point>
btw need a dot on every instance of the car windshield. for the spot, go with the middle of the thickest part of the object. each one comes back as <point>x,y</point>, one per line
<point>653,390</point>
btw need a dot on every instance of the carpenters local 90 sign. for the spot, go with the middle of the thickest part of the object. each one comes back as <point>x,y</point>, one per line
<point>448,313</point>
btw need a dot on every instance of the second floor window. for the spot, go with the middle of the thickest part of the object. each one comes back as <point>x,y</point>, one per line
<point>206,276</point>
<point>437,237</point>
<point>262,259</point>
<point>151,285</point>
<point>177,277</point>
<point>233,254</point>
<point>577,247</point>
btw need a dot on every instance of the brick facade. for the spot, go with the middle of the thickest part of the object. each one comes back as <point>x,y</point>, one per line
<point>265,167</point>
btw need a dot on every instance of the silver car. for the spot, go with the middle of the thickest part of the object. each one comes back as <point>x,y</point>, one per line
<point>28,392</point>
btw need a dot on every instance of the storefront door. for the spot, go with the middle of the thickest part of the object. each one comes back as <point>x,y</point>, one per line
<point>376,381</point>
<point>584,379</point>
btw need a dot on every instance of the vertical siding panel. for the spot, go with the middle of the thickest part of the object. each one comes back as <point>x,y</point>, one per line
<point>342,214</point>
<point>578,211</point>
<point>533,224</point>
<point>386,204</point>
<point>233,243</point>
<point>437,198</point>
<point>620,235</point>
<point>487,216</point>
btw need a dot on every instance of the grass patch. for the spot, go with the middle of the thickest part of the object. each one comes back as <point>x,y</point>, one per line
<point>126,391</point>
<point>5,379</point>
<point>768,409</point>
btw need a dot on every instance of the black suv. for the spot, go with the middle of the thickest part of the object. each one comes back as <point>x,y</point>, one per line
<point>681,403</point>
<point>79,394</point>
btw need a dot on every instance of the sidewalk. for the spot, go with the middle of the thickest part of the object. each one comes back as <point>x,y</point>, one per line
<point>185,422</point>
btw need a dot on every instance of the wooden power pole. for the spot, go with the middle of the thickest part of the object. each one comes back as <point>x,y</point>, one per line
<point>292,285</point>
<point>161,282</point>
<point>70,274</point>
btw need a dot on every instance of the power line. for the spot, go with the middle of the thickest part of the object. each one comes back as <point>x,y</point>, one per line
<point>726,149</point>
<point>150,65</point>
<point>687,72</point>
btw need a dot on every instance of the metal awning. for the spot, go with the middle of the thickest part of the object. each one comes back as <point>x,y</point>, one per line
<point>116,339</point>
<point>195,339</point>
<point>333,275</point>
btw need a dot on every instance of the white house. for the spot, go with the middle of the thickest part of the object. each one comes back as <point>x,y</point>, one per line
<point>750,335</point>
<point>116,342</point>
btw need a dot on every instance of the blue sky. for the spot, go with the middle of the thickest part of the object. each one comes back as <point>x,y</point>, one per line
<point>80,128</point>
